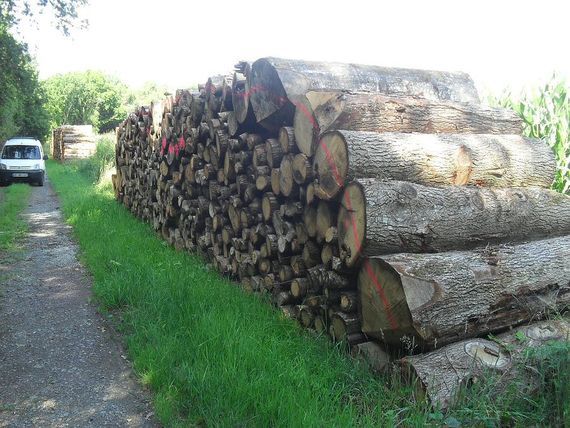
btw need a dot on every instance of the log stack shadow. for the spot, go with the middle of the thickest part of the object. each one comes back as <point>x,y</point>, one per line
<point>383,207</point>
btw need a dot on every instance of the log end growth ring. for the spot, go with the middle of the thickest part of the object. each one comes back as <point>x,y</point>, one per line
<point>306,127</point>
<point>385,314</point>
<point>352,223</point>
<point>331,164</point>
<point>286,182</point>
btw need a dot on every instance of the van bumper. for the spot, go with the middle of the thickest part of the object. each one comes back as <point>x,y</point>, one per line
<point>29,175</point>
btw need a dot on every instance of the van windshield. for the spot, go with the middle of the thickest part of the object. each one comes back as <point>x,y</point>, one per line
<point>21,152</point>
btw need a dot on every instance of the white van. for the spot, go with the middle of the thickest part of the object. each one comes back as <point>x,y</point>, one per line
<point>22,159</point>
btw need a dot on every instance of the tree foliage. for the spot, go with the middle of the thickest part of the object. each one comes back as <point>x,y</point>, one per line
<point>21,95</point>
<point>149,91</point>
<point>89,97</point>
<point>545,111</point>
<point>65,12</point>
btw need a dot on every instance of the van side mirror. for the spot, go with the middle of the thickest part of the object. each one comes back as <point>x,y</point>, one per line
<point>45,157</point>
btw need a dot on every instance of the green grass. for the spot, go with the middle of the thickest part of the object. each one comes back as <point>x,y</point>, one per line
<point>13,200</point>
<point>213,355</point>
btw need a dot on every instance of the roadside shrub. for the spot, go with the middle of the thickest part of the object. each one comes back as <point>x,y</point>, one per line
<point>99,166</point>
<point>545,401</point>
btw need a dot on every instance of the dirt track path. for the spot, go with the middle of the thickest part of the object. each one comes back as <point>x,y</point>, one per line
<point>59,364</point>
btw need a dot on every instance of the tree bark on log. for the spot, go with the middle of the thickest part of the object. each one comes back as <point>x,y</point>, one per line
<point>388,217</point>
<point>277,84</point>
<point>321,111</point>
<point>435,299</point>
<point>440,374</point>
<point>482,160</point>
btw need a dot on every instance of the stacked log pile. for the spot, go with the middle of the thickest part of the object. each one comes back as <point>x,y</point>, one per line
<point>73,142</point>
<point>371,203</point>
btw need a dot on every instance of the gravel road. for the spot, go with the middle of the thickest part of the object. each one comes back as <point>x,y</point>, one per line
<point>60,364</point>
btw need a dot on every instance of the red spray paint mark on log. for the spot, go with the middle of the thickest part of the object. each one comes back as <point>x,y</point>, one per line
<point>381,293</point>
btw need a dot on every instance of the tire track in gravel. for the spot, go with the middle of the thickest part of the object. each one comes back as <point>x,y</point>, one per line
<point>60,364</point>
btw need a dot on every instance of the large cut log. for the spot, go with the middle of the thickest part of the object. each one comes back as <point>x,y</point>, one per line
<point>434,299</point>
<point>379,217</point>
<point>277,84</point>
<point>482,160</point>
<point>320,111</point>
<point>440,374</point>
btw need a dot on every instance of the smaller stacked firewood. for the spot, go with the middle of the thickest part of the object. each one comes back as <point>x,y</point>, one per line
<point>73,142</point>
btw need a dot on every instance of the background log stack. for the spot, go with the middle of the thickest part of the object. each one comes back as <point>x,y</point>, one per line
<point>73,142</point>
<point>371,203</point>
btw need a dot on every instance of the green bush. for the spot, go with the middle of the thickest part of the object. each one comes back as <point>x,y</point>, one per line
<point>88,97</point>
<point>102,161</point>
<point>546,114</point>
<point>543,402</point>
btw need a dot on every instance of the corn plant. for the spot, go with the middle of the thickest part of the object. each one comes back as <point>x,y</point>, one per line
<point>545,111</point>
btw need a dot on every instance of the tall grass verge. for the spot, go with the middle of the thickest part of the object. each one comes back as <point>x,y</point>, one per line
<point>210,353</point>
<point>539,397</point>
<point>100,166</point>
<point>13,200</point>
<point>545,111</point>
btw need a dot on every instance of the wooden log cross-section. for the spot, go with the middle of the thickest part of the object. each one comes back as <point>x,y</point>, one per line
<point>435,299</point>
<point>440,374</point>
<point>452,159</point>
<point>320,111</point>
<point>381,217</point>
<point>277,84</point>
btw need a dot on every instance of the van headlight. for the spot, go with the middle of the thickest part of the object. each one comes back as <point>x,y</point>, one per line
<point>3,166</point>
<point>37,166</point>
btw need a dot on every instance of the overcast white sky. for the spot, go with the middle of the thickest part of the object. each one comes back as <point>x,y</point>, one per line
<point>500,43</point>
